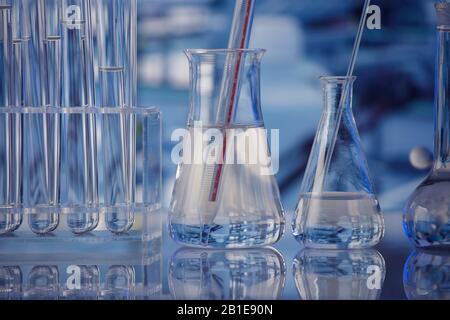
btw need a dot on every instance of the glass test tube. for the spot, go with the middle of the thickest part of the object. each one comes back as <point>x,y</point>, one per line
<point>16,101</point>
<point>78,182</point>
<point>116,46</point>
<point>37,194</point>
<point>52,54</point>
<point>6,143</point>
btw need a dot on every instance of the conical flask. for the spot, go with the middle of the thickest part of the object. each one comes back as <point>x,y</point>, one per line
<point>337,208</point>
<point>427,212</point>
<point>225,193</point>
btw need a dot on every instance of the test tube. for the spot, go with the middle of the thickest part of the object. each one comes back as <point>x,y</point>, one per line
<point>16,102</point>
<point>116,46</point>
<point>78,182</point>
<point>37,196</point>
<point>6,143</point>
<point>52,54</point>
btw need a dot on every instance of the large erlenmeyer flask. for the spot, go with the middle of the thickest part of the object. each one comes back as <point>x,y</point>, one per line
<point>225,193</point>
<point>337,208</point>
<point>427,212</point>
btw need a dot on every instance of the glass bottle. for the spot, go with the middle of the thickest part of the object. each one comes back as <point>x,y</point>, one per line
<point>225,193</point>
<point>427,212</point>
<point>337,209</point>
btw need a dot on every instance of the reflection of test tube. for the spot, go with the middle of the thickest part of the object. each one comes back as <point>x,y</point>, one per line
<point>6,153</point>
<point>36,187</point>
<point>43,283</point>
<point>116,46</point>
<point>120,283</point>
<point>78,183</point>
<point>10,282</point>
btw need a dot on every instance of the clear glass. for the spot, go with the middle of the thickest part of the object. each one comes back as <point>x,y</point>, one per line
<point>75,132</point>
<point>135,273</point>
<point>116,41</point>
<point>427,212</point>
<point>33,194</point>
<point>337,209</point>
<point>339,274</point>
<point>426,275</point>
<point>251,274</point>
<point>225,203</point>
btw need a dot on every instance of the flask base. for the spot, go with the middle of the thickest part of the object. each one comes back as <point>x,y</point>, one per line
<point>227,236</point>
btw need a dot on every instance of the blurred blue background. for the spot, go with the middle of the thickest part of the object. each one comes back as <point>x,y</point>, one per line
<point>305,39</point>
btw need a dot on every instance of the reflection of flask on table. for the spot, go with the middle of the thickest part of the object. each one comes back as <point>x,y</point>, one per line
<point>337,209</point>
<point>427,276</point>
<point>427,212</point>
<point>339,275</point>
<point>256,274</point>
<point>244,210</point>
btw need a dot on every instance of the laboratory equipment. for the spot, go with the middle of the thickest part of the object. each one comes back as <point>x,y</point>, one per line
<point>338,208</point>
<point>78,181</point>
<point>246,211</point>
<point>38,191</point>
<point>339,274</point>
<point>241,28</point>
<point>59,151</point>
<point>72,271</point>
<point>334,126</point>
<point>426,276</point>
<point>117,76</point>
<point>7,187</point>
<point>427,211</point>
<point>144,142</point>
<point>256,274</point>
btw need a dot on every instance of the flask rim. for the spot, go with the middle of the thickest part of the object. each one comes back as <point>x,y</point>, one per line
<point>338,79</point>
<point>206,52</point>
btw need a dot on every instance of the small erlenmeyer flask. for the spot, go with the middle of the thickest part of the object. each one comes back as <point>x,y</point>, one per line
<point>225,193</point>
<point>427,212</point>
<point>337,208</point>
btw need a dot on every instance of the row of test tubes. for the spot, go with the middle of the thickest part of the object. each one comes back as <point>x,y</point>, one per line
<point>72,55</point>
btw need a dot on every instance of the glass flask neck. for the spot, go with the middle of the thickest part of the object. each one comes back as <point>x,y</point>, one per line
<point>442,120</point>
<point>225,87</point>
<point>334,88</point>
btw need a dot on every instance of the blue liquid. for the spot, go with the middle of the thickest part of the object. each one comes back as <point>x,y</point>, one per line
<point>338,220</point>
<point>427,213</point>
<point>119,220</point>
<point>43,223</point>
<point>227,235</point>
<point>425,233</point>
<point>10,222</point>
<point>338,237</point>
<point>82,222</point>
